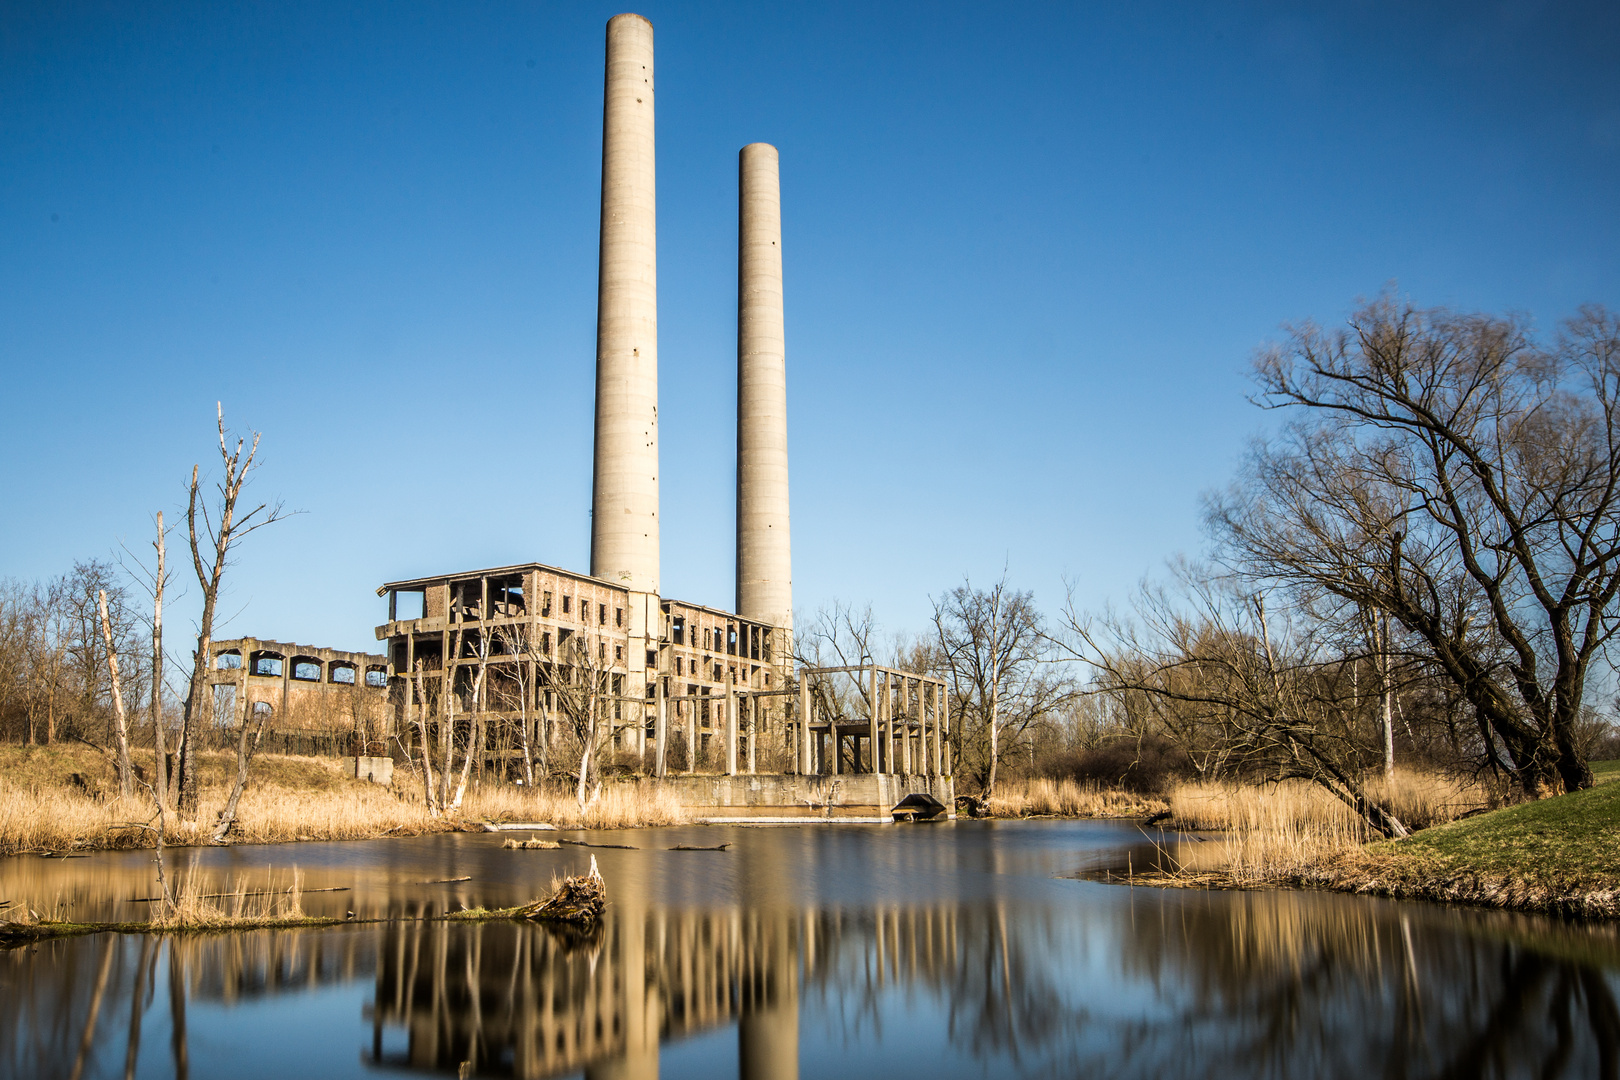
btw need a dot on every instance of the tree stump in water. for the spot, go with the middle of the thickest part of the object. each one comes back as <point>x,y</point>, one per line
<point>578,901</point>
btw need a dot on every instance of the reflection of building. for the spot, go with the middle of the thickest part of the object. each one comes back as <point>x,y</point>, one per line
<point>507,996</point>
<point>304,688</point>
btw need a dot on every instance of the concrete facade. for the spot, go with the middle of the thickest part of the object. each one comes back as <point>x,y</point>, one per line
<point>624,499</point>
<point>306,688</point>
<point>690,679</point>
<point>764,546</point>
<point>778,797</point>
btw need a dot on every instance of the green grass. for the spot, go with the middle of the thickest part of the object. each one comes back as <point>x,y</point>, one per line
<point>1570,838</point>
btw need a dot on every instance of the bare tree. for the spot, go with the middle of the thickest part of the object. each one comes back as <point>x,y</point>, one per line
<point>995,649</point>
<point>1240,688</point>
<point>121,726</point>
<point>155,582</point>
<point>1451,471</point>
<point>522,647</point>
<point>213,535</point>
<point>839,635</point>
<point>585,690</point>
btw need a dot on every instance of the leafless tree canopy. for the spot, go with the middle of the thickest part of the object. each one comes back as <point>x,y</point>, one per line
<point>994,650</point>
<point>1454,472</point>
<point>215,530</point>
<point>54,681</point>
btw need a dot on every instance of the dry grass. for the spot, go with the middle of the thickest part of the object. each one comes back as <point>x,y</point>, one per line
<point>616,806</point>
<point>1280,832</point>
<point>288,798</point>
<point>240,907</point>
<point>1067,798</point>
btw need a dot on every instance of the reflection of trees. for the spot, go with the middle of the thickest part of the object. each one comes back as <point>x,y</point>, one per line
<point>991,967</point>
<point>1183,985</point>
<point>1279,984</point>
<point>73,1007</point>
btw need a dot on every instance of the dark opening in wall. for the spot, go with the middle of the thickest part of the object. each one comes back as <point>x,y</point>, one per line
<point>601,614</point>
<point>262,708</point>
<point>567,604</point>
<point>376,676</point>
<point>506,596</point>
<point>545,602</point>
<point>267,664</point>
<point>410,604</point>
<point>306,669</point>
<point>230,660</point>
<point>343,673</point>
<point>678,630</point>
<point>618,616</point>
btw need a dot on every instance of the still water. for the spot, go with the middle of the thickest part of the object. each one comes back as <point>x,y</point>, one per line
<point>946,951</point>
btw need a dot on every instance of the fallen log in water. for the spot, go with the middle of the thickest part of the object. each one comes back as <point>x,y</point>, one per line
<point>532,844</point>
<point>586,843</point>
<point>578,900</point>
<point>695,847</point>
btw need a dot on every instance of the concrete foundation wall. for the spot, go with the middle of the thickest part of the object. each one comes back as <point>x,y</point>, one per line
<point>784,795</point>
<point>379,770</point>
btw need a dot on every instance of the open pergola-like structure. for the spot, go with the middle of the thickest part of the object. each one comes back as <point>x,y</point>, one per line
<point>903,731</point>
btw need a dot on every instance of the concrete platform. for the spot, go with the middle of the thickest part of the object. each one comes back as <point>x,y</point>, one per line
<point>786,798</point>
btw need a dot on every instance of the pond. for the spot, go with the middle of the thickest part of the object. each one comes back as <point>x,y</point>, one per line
<point>967,949</point>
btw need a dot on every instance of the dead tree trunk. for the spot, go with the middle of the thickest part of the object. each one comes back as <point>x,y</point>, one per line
<point>244,757</point>
<point>161,777</point>
<point>120,722</point>
<point>212,539</point>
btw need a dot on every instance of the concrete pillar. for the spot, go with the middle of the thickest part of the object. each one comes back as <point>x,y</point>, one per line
<point>804,726</point>
<point>661,733</point>
<point>624,497</point>
<point>731,729</point>
<point>753,734</point>
<point>764,550</point>
<point>875,760</point>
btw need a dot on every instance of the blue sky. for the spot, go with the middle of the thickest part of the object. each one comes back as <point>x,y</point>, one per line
<point>1029,252</point>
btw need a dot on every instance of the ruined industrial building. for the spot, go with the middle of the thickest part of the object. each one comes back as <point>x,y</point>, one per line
<point>702,699</point>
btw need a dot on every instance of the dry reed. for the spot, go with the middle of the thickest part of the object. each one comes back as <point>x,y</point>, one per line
<point>194,909</point>
<point>292,798</point>
<point>1291,830</point>
<point>614,806</point>
<point>1068,798</point>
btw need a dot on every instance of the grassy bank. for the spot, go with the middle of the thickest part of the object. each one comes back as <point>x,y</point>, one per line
<point>1554,856</point>
<point>1558,855</point>
<point>43,809</point>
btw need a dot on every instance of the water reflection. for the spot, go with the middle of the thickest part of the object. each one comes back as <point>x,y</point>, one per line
<point>714,968</point>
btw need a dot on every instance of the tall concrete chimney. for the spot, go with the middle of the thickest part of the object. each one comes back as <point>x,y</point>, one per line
<point>764,547</point>
<point>624,497</point>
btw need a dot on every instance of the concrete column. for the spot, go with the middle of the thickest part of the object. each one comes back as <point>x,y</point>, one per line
<point>693,705</point>
<point>753,734</point>
<point>764,550</point>
<point>905,724</point>
<point>624,499</point>
<point>661,733</point>
<point>804,726</point>
<point>873,765</point>
<point>731,729</point>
